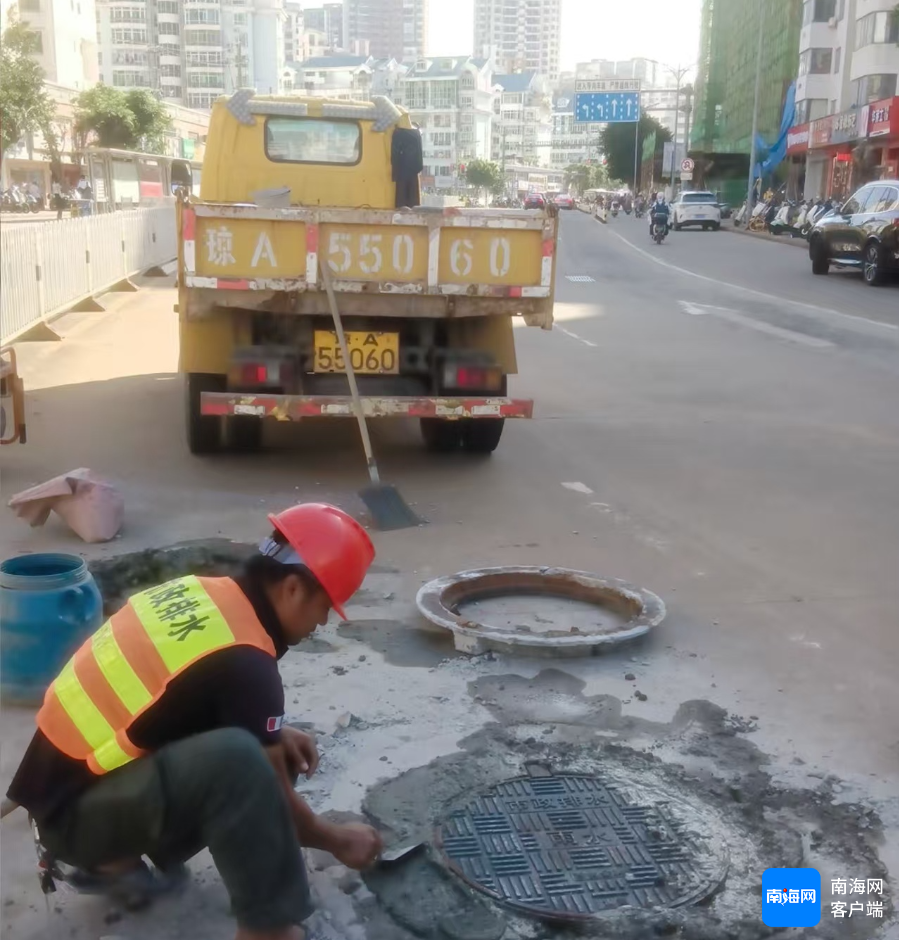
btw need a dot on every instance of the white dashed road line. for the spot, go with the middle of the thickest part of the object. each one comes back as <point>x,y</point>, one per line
<point>579,488</point>
<point>724,313</point>
<point>580,339</point>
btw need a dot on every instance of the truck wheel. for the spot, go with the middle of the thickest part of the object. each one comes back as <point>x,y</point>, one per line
<point>441,435</point>
<point>481,435</point>
<point>204,434</point>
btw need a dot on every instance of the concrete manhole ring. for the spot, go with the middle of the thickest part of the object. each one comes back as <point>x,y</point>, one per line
<point>577,846</point>
<point>620,611</point>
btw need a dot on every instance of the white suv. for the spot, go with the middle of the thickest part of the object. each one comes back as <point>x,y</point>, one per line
<point>696,208</point>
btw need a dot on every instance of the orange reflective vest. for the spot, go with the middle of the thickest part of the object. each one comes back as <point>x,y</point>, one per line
<point>124,668</point>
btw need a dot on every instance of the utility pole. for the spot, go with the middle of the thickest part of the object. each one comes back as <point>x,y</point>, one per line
<point>636,149</point>
<point>755,112</point>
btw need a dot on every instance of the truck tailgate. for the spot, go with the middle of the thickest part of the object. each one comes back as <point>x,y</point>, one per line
<point>471,252</point>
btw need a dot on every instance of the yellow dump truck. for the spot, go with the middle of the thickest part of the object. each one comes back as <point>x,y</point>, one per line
<point>427,295</point>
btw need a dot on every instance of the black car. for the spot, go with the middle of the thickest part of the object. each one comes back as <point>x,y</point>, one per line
<point>862,233</point>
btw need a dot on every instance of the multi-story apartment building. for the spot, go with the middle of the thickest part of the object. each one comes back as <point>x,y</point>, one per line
<point>294,27</point>
<point>327,19</point>
<point>66,36</point>
<point>572,141</point>
<point>522,124</point>
<point>521,34</point>
<point>848,68</point>
<point>192,51</point>
<point>395,29</point>
<point>452,100</point>
<point>346,77</point>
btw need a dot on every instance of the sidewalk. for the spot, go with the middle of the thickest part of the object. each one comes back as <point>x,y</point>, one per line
<point>728,226</point>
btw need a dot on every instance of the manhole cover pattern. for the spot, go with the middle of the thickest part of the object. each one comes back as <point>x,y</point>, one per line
<point>570,846</point>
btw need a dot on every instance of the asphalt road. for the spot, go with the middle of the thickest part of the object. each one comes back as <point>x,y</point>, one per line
<point>729,421</point>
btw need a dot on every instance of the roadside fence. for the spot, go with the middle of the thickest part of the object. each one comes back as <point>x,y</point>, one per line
<point>49,267</point>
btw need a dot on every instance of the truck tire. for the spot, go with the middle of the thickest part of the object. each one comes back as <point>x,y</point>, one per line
<point>481,435</point>
<point>441,436</point>
<point>204,434</point>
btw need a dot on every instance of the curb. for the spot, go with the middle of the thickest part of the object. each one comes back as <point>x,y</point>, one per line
<point>762,236</point>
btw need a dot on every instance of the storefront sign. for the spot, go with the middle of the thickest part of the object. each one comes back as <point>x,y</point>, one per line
<point>883,118</point>
<point>798,139</point>
<point>835,129</point>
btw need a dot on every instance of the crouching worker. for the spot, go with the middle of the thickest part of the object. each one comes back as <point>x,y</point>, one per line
<point>164,734</point>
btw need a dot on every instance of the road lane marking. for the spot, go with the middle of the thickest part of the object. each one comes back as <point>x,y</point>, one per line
<point>579,488</point>
<point>580,278</point>
<point>724,313</point>
<point>580,339</point>
<point>755,293</point>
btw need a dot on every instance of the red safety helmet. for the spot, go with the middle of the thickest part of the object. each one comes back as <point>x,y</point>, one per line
<point>331,544</point>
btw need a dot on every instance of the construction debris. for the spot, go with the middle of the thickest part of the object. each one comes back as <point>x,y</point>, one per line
<point>92,507</point>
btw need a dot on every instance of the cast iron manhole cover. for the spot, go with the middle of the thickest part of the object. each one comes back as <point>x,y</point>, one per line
<point>569,846</point>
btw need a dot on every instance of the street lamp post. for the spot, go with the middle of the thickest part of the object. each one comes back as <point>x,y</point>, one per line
<point>755,112</point>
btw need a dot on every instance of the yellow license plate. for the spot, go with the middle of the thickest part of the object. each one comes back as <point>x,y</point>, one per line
<point>370,353</point>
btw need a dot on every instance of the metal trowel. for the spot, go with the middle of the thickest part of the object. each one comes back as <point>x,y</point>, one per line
<point>399,853</point>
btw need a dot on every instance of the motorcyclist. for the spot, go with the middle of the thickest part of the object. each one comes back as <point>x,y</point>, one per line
<point>659,211</point>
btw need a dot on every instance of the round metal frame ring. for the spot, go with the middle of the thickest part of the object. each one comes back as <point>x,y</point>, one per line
<point>440,601</point>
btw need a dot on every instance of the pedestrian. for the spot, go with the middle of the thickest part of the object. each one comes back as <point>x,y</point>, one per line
<point>57,201</point>
<point>165,733</point>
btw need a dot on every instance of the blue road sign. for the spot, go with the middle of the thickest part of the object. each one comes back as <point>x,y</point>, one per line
<point>613,107</point>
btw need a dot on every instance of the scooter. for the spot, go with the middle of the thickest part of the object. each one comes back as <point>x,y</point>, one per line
<point>659,229</point>
<point>615,208</point>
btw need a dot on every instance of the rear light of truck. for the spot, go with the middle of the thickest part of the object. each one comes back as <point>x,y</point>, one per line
<point>481,378</point>
<point>261,367</point>
<point>256,373</point>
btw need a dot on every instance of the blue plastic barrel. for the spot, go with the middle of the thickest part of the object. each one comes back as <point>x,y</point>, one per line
<point>49,604</point>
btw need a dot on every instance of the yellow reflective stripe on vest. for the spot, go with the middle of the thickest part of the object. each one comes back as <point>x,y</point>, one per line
<point>80,708</point>
<point>123,680</point>
<point>182,621</point>
<point>110,755</point>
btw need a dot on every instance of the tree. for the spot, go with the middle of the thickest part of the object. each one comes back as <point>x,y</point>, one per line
<point>584,176</point>
<point>485,175</point>
<point>24,104</point>
<point>617,143</point>
<point>128,120</point>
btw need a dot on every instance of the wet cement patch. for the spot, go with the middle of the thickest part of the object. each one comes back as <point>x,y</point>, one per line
<point>538,614</point>
<point>709,762</point>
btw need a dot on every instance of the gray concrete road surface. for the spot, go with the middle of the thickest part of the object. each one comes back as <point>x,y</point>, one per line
<point>711,422</point>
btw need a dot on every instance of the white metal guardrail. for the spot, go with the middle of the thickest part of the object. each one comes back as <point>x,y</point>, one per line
<point>47,267</point>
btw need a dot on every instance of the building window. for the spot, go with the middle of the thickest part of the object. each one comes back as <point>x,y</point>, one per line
<point>874,87</point>
<point>167,6</point>
<point>202,37</point>
<point>170,71</point>
<point>128,58</point>
<point>816,62</point>
<point>205,80</point>
<point>168,29</point>
<point>837,58</point>
<point>204,58</point>
<point>202,16</point>
<point>129,37</point>
<point>811,109</point>
<point>201,101</point>
<point>130,79</point>
<point>240,19</point>
<point>877,27</point>
<point>29,6</point>
<point>171,91</point>
<point>127,15</point>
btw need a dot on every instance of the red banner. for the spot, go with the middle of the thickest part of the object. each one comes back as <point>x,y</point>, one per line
<point>797,139</point>
<point>883,118</point>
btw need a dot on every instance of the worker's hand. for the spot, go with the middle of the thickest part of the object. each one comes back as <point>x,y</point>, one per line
<point>357,845</point>
<point>300,752</point>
